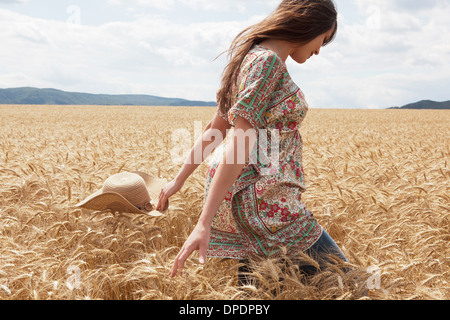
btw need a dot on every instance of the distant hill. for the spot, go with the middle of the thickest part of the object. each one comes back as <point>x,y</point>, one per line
<point>36,96</point>
<point>426,104</point>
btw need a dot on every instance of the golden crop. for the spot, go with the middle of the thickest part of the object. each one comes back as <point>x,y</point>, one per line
<point>378,181</point>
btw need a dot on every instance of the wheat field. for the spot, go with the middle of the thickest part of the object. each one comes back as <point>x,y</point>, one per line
<point>378,182</point>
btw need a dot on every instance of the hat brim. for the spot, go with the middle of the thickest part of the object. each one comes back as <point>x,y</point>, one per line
<point>115,202</point>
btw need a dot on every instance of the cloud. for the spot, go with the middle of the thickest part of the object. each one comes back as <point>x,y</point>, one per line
<point>31,32</point>
<point>146,55</point>
<point>203,5</point>
<point>397,52</point>
<point>409,6</point>
<point>157,4</point>
<point>13,1</point>
<point>383,55</point>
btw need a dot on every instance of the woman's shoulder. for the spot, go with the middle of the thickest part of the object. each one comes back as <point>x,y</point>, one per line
<point>261,57</point>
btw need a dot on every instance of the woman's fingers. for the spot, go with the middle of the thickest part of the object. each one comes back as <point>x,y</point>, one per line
<point>198,240</point>
<point>169,190</point>
<point>174,270</point>
<point>163,197</point>
<point>162,201</point>
<point>183,255</point>
<point>179,261</point>
<point>202,255</point>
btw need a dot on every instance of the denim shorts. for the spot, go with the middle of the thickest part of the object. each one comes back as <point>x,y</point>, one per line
<point>326,245</point>
<point>322,251</point>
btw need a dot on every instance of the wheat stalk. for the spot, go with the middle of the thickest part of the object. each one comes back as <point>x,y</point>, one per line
<point>378,182</point>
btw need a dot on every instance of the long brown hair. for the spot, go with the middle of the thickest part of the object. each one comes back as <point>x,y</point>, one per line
<point>296,21</point>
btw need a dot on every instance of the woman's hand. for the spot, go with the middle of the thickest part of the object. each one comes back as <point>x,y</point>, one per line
<point>198,240</point>
<point>169,190</point>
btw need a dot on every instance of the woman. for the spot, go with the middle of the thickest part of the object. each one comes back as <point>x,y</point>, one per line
<point>254,207</point>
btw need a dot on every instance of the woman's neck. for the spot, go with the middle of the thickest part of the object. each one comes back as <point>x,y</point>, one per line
<point>282,48</point>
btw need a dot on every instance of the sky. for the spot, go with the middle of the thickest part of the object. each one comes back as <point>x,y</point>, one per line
<point>387,52</point>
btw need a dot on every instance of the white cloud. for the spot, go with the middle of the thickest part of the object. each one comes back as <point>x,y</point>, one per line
<point>387,52</point>
<point>13,1</point>
<point>410,6</point>
<point>396,53</point>
<point>148,56</point>
<point>157,4</point>
<point>203,5</point>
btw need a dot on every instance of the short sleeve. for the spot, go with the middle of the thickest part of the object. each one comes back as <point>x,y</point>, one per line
<point>224,116</point>
<point>260,79</point>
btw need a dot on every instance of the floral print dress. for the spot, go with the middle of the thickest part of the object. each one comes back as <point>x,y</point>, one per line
<point>263,211</point>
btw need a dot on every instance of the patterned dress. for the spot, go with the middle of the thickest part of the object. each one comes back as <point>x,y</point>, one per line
<point>263,211</point>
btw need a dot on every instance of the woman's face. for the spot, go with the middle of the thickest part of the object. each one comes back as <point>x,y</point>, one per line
<point>303,53</point>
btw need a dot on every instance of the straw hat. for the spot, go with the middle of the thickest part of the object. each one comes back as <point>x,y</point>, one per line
<point>130,192</point>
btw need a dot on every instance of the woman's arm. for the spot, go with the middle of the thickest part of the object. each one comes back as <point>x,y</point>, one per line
<point>228,171</point>
<point>214,132</point>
